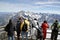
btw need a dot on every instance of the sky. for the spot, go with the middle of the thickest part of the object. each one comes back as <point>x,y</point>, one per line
<point>43,6</point>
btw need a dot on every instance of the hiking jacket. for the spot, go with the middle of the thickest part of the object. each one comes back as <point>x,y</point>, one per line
<point>27,22</point>
<point>35,23</point>
<point>44,26</point>
<point>55,26</point>
<point>10,29</point>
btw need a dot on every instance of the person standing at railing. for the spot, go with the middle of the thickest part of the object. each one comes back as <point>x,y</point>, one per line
<point>24,28</point>
<point>44,28</point>
<point>18,27</point>
<point>10,30</point>
<point>55,28</point>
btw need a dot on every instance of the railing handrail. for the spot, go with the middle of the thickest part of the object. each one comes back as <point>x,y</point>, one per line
<point>2,26</point>
<point>5,32</point>
<point>47,31</point>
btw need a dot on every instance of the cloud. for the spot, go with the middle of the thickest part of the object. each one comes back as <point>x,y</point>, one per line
<point>50,12</point>
<point>15,7</point>
<point>12,7</point>
<point>49,3</point>
<point>9,7</point>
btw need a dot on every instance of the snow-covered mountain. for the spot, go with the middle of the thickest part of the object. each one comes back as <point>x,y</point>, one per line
<point>4,17</point>
<point>40,16</point>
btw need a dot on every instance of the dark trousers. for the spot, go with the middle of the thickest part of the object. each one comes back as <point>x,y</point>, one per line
<point>18,35</point>
<point>54,34</point>
<point>40,35</point>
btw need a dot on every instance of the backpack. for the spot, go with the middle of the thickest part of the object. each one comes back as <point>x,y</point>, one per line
<point>55,26</point>
<point>6,28</point>
<point>24,28</point>
<point>18,25</point>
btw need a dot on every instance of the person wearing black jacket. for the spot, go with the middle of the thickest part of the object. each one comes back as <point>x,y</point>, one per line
<point>10,30</point>
<point>54,33</point>
<point>18,28</point>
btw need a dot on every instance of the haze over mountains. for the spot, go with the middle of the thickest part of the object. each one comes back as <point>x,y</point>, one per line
<point>5,16</point>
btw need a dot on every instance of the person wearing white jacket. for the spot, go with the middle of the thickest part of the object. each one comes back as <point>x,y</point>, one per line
<point>34,30</point>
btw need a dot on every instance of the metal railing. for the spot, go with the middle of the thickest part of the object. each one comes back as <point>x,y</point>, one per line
<point>3,34</point>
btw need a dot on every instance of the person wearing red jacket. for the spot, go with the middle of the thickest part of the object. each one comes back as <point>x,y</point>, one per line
<point>44,28</point>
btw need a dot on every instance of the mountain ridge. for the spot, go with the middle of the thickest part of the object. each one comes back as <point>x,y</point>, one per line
<point>5,16</point>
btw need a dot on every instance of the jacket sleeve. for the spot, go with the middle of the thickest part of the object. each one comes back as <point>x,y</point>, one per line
<point>52,25</point>
<point>28,24</point>
<point>21,26</point>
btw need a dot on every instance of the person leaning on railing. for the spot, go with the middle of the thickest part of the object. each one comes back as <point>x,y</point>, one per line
<point>10,30</point>
<point>55,28</point>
